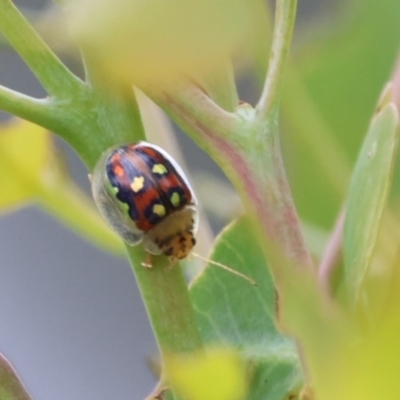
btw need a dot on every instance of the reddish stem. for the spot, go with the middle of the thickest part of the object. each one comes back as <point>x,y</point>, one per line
<point>256,169</point>
<point>331,255</point>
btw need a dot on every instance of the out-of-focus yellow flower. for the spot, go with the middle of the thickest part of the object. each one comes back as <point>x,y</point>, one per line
<point>25,150</point>
<point>155,40</point>
<point>217,375</point>
<point>31,171</point>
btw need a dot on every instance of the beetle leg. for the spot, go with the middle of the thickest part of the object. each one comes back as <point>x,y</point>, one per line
<point>147,262</point>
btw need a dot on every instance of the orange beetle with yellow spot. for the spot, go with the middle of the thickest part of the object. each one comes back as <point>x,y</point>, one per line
<point>144,195</point>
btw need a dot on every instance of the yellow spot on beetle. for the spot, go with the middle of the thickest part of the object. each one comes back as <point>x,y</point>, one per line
<point>159,169</point>
<point>137,184</point>
<point>159,210</point>
<point>175,199</point>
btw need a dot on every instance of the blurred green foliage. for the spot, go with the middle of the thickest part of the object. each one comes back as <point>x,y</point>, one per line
<point>333,84</point>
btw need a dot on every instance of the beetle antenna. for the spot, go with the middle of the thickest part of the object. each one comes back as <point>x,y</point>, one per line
<point>232,271</point>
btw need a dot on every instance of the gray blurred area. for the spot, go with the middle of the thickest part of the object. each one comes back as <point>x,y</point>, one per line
<point>71,318</point>
<point>72,321</point>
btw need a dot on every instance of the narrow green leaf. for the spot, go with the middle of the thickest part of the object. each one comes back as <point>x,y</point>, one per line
<point>11,388</point>
<point>232,312</point>
<point>367,196</point>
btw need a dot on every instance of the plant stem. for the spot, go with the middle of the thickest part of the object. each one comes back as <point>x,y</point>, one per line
<point>29,108</point>
<point>249,153</point>
<point>285,15</point>
<point>50,71</point>
<point>163,289</point>
<point>280,218</point>
<point>247,147</point>
<point>193,110</point>
<point>331,255</point>
<point>92,119</point>
<point>167,301</point>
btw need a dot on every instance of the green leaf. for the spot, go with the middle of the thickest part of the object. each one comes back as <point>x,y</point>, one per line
<point>11,388</point>
<point>368,193</point>
<point>234,313</point>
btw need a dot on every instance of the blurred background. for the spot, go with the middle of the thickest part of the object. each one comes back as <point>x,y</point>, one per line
<point>71,318</point>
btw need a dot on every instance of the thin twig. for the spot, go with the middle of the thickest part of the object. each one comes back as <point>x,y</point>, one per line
<point>50,71</point>
<point>26,107</point>
<point>284,22</point>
